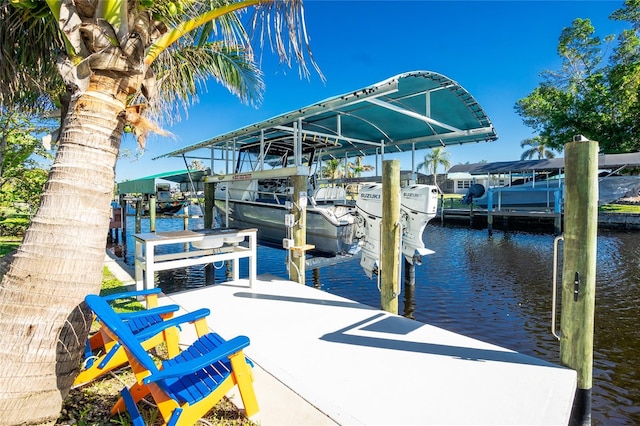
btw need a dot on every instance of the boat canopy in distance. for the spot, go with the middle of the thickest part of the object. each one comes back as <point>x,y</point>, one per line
<point>147,184</point>
<point>605,162</point>
<point>414,110</point>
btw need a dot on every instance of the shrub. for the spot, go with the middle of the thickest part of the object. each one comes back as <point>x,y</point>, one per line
<point>14,225</point>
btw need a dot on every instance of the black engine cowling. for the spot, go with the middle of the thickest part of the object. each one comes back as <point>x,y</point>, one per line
<point>475,191</point>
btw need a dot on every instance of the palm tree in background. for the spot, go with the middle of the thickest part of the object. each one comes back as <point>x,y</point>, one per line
<point>110,66</point>
<point>357,168</point>
<point>432,160</point>
<point>536,148</point>
<point>332,169</point>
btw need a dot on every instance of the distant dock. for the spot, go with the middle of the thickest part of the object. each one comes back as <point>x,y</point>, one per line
<point>528,219</point>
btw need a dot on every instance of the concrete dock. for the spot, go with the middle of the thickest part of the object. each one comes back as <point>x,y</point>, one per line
<point>324,359</point>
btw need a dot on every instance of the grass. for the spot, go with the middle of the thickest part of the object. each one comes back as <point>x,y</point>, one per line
<point>452,201</point>
<point>620,208</point>
<point>9,244</point>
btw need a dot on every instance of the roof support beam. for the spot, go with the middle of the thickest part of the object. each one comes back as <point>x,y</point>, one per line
<point>441,139</point>
<point>415,115</point>
<point>328,135</point>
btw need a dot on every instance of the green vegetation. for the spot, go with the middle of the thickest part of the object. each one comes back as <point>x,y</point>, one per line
<point>432,159</point>
<point>620,208</point>
<point>130,64</point>
<point>596,91</point>
<point>22,173</point>
<point>111,285</point>
<point>536,149</point>
<point>9,244</point>
<point>452,201</point>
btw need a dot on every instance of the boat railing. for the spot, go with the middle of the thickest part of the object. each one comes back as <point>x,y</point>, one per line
<point>269,197</point>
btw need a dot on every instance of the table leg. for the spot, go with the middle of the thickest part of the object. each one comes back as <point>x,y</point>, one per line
<point>253,264</point>
<point>235,269</point>
<point>138,266</point>
<point>149,279</point>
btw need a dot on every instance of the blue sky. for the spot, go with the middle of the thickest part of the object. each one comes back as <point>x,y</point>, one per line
<point>494,49</point>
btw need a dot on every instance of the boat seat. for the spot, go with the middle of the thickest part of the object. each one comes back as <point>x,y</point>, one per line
<point>329,193</point>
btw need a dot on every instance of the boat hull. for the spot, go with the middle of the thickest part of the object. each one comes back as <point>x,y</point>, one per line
<point>521,198</point>
<point>328,236</point>
<point>518,197</point>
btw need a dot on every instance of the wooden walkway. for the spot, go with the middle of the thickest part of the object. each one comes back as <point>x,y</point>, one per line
<point>344,362</point>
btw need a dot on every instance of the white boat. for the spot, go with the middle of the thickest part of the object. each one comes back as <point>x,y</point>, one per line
<point>527,196</point>
<point>407,112</point>
<point>264,203</point>
<point>539,184</point>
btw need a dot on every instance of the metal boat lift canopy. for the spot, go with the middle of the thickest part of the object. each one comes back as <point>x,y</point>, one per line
<point>147,184</point>
<point>605,161</point>
<point>410,111</point>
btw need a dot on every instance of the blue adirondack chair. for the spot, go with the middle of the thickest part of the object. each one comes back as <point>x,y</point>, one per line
<point>102,354</point>
<point>188,385</point>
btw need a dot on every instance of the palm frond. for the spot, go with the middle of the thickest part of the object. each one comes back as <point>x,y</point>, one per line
<point>190,22</point>
<point>282,24</point>
<point>183,72</point>
<point>227,27</point>
<point>28,51</point>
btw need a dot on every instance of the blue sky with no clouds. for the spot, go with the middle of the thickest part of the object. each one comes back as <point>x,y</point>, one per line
<point>494,49</point>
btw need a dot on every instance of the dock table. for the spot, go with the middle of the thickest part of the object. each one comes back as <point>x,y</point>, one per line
<point>200,248</point>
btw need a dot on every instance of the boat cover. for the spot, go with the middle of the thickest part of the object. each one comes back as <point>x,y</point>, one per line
<point>413,110</point>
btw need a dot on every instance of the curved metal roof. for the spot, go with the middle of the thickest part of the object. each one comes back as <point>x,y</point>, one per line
<point>420,108</point>
<point>605,161</point>
<point>147,184</point>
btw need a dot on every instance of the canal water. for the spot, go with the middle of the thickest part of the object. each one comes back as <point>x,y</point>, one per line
<point>494,288</point>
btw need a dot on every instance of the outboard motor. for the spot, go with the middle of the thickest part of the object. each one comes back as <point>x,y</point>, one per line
<point>475,191</point>
<point>418,205</point>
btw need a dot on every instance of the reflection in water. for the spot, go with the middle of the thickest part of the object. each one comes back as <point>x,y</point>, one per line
<point>316,278</point>
<point>497,289</point>
<point>409,277</point>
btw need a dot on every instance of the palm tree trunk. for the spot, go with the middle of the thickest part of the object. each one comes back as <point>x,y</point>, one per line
<point>59,262</point>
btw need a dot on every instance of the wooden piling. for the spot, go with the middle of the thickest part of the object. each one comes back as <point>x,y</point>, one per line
<point>138,215</point>
<point>123,209</point>
<point>209,203</point>
<point>579,269</point>
<point>490,212</point>
<point>297,260</point>
<point>557,209</point>
<point>185,217</point>
<point>390,236</point>
<point>152,213</point>
<point>409,289</point>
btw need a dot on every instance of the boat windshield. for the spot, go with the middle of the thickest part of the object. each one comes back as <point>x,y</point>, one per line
<point>251,158</point>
